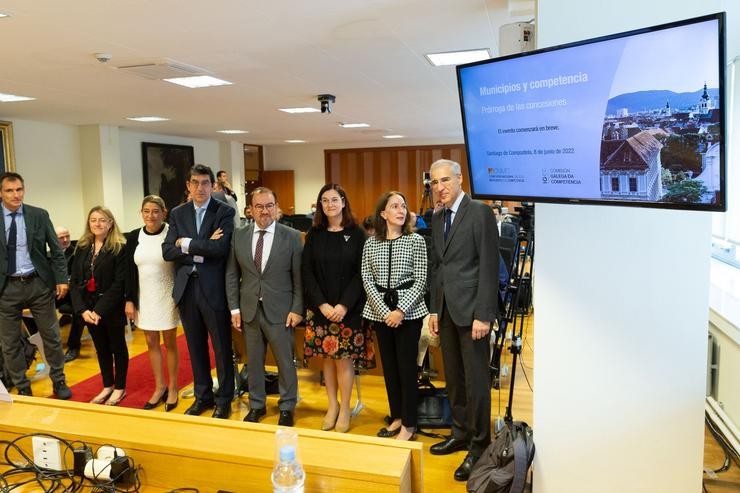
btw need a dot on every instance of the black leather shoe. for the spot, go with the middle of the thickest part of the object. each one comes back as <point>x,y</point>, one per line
<point>386,433</point>
<point>255,415</point>
<point>25,391</point>
<point>61,390</point>
<point>151,405</point>
<point>71,355</point>
<point>198,407</point>
<point>222,411</point>
<point>286,418</point>
<point>462,473</point>
<point>448,446</point>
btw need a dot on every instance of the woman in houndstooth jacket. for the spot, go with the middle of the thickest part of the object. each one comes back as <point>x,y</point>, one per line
<point>394,271</point>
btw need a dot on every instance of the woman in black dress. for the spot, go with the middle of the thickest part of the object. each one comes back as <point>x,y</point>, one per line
<point>334,299</point>
<point>97,283</point>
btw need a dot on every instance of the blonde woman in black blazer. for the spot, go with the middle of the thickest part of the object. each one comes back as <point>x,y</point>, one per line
<point>97,285</point>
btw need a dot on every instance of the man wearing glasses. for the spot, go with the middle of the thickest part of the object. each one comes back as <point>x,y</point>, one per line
<point>464,282</point>
<point>198,242</point>
<point>263,285</point>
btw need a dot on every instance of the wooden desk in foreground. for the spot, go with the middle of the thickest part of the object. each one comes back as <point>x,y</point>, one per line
<point>209,454</point>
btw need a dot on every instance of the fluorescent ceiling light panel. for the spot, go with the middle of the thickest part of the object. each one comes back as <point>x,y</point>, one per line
<point>393,136</point>
<point>299,110</point>
<point>458,57</point>
<point>353,125</point>
<point>12,98</point>
<point>147,118</point>
<point>295,141</point>
<point>198,81</point>
<point>233,132</point>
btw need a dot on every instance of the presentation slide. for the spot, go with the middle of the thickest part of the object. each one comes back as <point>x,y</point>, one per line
<point>629,118</point>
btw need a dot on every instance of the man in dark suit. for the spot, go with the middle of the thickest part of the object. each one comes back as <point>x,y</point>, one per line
<point>29,279</point>
<point>464,282</point>
<point>263,285</point>
<point>198,242</point>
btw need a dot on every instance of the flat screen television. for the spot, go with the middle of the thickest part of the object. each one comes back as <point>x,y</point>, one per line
<point>631,119</point>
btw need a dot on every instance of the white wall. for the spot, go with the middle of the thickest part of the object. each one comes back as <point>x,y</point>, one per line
<point>205,152</point>
<point>622,304</point>
<point>47,155</point>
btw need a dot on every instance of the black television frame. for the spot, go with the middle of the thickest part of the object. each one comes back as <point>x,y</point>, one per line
<point>720,206</point>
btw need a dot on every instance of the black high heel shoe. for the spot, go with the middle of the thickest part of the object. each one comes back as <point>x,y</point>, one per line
<point>152,405</point>
<point>169,407</point>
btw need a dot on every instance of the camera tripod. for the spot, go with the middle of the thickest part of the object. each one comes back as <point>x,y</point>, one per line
<point>517,299</point>
<point>426,199</point>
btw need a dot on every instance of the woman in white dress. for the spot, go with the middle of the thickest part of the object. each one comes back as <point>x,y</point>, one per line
<point>149,298</point>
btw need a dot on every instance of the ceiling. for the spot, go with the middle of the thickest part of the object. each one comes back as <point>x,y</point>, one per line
<point>368,53</point>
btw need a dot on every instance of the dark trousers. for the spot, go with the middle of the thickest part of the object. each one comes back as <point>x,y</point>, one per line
<point>257,334</point>
<point>33,294</point>
<point>64,306</point>
<point>110,345</point>
<point>200,320</point>
<point>398,350</point>
<point>74,339</point>
<point>468,382</point>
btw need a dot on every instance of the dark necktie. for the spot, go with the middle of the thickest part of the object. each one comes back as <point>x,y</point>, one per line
<point>12,243</point>
<point>258,251</point>
<point>448,222</point>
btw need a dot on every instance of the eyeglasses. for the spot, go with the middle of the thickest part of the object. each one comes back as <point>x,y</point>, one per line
<point>333,200</point>
<point>445,180</point>
<point>200,184</point>
<point>99,220</point>
<point>264,207</point>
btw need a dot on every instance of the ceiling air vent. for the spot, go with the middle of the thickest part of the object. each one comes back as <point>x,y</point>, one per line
<point>162,69</point>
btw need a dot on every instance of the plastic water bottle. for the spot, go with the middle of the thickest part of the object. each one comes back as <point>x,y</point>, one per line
<point>287,475</point>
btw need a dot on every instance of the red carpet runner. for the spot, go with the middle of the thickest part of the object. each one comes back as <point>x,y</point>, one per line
<point>140,380</point>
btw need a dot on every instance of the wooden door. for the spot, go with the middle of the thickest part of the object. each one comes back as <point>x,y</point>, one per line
<point>282,182</point>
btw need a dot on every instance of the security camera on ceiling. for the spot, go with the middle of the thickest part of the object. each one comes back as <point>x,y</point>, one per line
<point>103,57</point>
<point>326,100</point>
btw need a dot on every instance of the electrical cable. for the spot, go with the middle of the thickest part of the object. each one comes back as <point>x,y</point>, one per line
<point>24,471</point>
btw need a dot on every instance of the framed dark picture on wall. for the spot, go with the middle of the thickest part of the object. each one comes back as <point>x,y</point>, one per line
<point>166,168</point>
<point>7,157</point>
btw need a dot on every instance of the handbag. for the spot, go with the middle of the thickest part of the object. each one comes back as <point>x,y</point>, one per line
<point>433,408</point>
<point>272,384</point>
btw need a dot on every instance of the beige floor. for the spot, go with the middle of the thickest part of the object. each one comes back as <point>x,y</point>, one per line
<point>437,469</point>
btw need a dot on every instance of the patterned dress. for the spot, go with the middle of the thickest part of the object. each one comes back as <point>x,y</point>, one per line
<point>331,274</point>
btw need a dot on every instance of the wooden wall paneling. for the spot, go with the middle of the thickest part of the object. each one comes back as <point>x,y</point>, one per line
<point>368,173</point>
<point>282,182</point>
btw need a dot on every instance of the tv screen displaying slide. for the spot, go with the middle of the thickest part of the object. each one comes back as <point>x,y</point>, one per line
<point>631,119</point>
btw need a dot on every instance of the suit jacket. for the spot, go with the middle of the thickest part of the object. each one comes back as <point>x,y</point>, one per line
<point>316,255</point>
<point>214,252</point>
<point>110,279</point>
<point>465,267</point>
<point>51,267</point>
<point>279,283</point>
